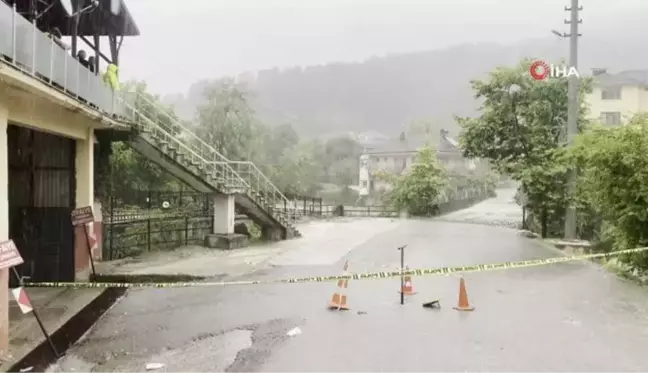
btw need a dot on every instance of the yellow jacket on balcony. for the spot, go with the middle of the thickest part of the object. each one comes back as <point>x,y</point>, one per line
<point>111,77</point>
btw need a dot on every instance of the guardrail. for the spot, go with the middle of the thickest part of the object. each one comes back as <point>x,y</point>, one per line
<point>25,47</point>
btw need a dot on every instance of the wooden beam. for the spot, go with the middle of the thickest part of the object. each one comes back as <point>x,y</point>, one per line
<point>114,49</point>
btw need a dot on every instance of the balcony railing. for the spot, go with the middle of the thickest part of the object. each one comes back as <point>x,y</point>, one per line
<point>26,48</point>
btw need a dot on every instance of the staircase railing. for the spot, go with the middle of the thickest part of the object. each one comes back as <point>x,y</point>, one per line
<point>259,182</point>
<point>220,170</point>
<point>249,175</point>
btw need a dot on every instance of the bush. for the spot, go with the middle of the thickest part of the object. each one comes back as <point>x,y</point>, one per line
<point>613,184</point>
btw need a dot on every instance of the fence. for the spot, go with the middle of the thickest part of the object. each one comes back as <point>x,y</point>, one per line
<point>137,221</point>
<point>359,211</point>
<point>457,200</point>
<point>142,221</point>
<point>28,49</point>
<point>307,206</point>
<point>130,237</point>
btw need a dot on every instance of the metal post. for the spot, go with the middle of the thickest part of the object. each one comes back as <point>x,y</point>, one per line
<point>186,233</point>
<point>52,59</point>
<point>402,278</point>
<point>33,47</point>
<point>572,114</point>
<point>148,233</point>
<point>21,283</point>
<point>85,230</point>
<point>13,33</point>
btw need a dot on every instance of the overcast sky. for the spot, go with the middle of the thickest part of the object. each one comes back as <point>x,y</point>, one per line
<point>183,41</point>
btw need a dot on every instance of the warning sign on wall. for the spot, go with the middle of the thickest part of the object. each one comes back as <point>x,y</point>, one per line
<point>82,215</point>
<point>9,255</point>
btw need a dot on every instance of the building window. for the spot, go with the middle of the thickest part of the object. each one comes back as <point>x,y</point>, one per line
<point>611,93</point>
<point>363,183</point>
<point>612,118</point>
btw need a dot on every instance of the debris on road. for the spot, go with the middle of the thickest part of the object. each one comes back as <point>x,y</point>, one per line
<point>154,366</point>
<point>433,304</point>
<point>362,312</point>
<point>527,233</point>
<point>293,332</point>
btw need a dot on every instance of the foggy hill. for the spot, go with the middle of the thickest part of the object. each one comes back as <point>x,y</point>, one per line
<point>382,94</point>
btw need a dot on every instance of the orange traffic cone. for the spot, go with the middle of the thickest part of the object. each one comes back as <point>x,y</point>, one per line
<point>463,304</point>
<point>407,287</point>
<point>339,299</point>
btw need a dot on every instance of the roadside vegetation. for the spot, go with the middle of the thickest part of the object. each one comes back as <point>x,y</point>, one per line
<point>521,130</point>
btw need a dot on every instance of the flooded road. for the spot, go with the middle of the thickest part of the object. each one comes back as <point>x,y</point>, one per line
<point>563,317</point>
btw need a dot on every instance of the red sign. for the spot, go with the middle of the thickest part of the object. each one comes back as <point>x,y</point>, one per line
<point>9,255</point>
<point>22,299</point>
<point>82,215</point>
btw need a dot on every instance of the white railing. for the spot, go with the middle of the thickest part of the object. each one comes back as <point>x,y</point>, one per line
<point>245,172</point>
<point>26,48</point>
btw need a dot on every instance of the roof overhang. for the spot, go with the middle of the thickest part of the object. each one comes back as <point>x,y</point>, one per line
<point>100,21</point>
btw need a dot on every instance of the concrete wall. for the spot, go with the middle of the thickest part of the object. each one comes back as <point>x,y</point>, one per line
<point>26,101</point>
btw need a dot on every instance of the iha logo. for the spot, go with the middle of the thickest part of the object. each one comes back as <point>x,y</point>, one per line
<point>541,70</point>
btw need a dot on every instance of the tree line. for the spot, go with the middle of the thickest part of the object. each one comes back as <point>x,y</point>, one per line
<point>225,121</point>
<point>521,130</point>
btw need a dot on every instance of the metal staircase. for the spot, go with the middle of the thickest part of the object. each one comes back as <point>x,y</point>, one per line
<point>201,166</point>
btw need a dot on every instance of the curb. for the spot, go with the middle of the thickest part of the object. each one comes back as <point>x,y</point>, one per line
<point>609,266</point>
<point>146,277</point>
<point>41,357</point>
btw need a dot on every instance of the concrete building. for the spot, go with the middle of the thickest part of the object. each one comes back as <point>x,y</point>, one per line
<point>57,121</point>
<point>397,156</point>
<point>617,97</point>
<point>51,108</point>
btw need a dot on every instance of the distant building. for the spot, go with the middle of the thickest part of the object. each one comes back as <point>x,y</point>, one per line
<point>617,97</point>
<point>397,156</point>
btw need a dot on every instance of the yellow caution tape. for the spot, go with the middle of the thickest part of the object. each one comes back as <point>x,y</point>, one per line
<point>443,271</point>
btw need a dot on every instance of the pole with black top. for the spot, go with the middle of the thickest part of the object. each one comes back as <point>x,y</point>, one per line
<point>402,278</point>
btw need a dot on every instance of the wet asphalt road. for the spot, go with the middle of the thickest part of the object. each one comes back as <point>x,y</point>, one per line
<point>565,317</point>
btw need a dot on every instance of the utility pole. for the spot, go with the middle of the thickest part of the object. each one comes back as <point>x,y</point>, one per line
<point>572,112</point>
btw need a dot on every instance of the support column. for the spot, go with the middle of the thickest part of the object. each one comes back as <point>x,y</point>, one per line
<point>4,231</point>
<point>272,233</point>
<point>223,236</point>
<point>84,164</point>
<point>224,214</point>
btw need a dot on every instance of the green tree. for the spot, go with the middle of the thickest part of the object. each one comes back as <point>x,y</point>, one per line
<point>149,105</point>
<point>614,182</point>
<point>226,121</point>
<point>339,160</point>
<point>423,127</point>
<point>297,170</point>
<point>133,171</point>
<point>521,130</point>
<point>418,189</point>
<point>120,169</point>
<point>344,172</point>
<point>277,141</point>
